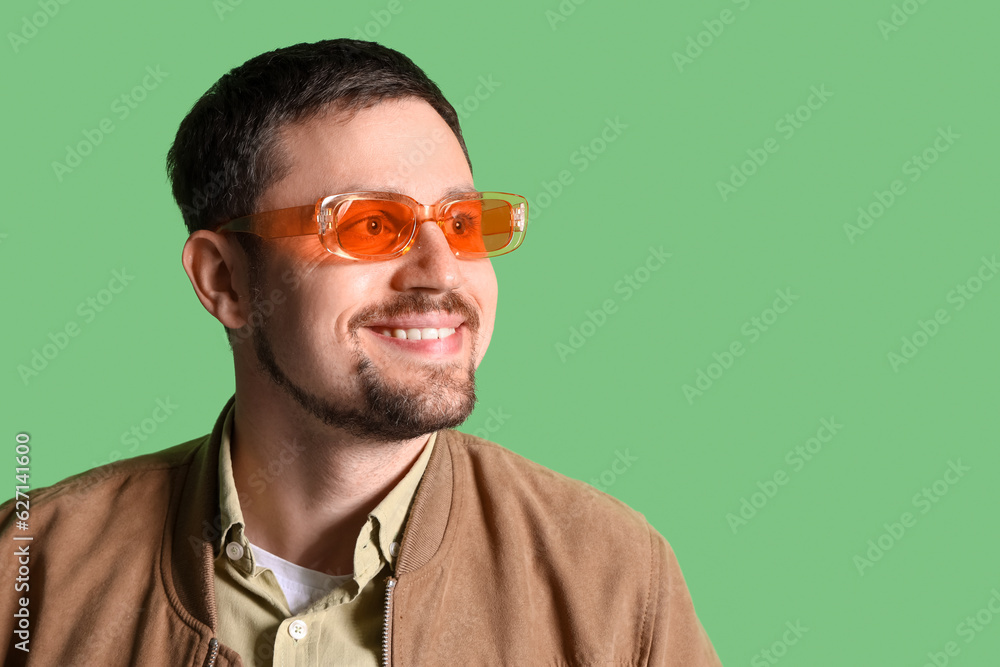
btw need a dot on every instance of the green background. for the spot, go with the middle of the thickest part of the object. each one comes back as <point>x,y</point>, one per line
<point>693,459</point>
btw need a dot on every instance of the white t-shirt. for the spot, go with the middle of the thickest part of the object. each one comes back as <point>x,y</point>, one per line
<point>300,585</point>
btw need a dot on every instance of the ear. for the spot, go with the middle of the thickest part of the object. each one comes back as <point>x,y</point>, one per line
<point>217,269</point>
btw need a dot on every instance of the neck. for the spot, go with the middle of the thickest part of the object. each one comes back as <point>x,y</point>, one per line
<point>305,488</point>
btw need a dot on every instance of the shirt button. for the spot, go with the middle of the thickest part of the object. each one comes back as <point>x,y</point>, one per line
<point>298,629</point>
<point>234,550</point>
<point>394,549</point>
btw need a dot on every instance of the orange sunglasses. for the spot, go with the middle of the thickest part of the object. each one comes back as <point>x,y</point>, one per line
<point>382,225</point>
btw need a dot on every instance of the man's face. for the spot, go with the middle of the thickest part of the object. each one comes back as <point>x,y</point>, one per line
<point>323,318</point>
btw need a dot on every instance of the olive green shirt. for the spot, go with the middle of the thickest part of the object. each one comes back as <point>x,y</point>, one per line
<point>342,628</point>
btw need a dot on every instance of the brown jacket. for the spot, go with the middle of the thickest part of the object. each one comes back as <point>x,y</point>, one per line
<point>502,562</point>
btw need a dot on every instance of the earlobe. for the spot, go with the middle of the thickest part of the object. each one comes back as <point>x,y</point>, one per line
<point>218,274</point>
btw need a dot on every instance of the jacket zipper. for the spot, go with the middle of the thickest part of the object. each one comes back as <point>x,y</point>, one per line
<point>213,652</point>
<point>390,585</point>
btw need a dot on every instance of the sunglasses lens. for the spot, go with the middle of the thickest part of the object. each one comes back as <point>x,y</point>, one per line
<point>373,226</point>
<point>479,225</point>
<point>484,227</point>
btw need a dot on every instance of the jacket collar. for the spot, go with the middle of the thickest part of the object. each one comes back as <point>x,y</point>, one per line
<point>187,566</point>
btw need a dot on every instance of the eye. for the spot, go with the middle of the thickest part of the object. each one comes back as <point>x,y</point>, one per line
<point>365,226</point>
<point>462,223</point>
<point>372,226</point>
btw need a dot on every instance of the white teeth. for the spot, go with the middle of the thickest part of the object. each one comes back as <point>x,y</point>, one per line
<point>418,334</point>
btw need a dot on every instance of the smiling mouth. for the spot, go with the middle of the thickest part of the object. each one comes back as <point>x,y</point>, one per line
<point>416,334</point>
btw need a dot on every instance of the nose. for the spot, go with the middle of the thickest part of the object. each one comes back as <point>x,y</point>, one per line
<point>430,264</point>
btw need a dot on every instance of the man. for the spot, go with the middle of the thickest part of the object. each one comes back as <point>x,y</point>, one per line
<point>333,516</point>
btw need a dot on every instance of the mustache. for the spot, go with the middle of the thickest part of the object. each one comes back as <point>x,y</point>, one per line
<point>416,303</point>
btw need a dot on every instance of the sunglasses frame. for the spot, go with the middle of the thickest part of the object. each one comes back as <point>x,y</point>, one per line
<point>318,219</point>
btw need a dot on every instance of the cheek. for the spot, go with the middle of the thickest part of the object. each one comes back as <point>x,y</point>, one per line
<point>486,295</point>
<point>311,309</point>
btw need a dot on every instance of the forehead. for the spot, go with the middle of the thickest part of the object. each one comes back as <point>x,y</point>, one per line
<point>398,145</point>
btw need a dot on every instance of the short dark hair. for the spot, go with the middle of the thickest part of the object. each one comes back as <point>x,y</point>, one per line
<point>226,152</point>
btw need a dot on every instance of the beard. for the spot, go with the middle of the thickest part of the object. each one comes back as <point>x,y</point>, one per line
<point>381,410</point>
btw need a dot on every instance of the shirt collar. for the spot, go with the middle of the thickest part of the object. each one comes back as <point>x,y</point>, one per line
<point>391,513</point>
<point>385,522</point>
<point>230,512</point>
